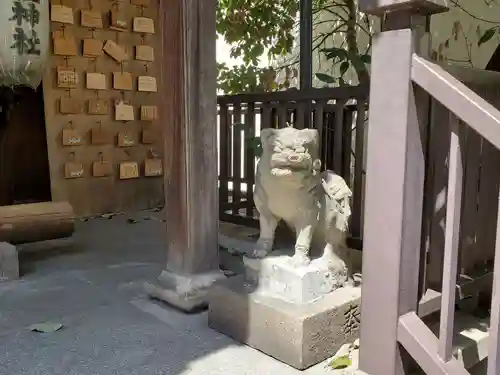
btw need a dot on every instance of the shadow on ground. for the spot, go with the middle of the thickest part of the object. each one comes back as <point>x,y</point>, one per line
<point>92,284</point>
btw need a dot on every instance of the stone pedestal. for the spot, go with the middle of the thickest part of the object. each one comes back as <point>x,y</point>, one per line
<point>187,293</point>
<point>9,262</point>
<point>288,313</point>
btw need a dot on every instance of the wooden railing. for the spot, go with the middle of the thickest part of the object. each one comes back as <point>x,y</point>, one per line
<point>339,114</point>
<point>396,246</point>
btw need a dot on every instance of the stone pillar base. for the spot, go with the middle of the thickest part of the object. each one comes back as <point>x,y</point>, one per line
<point>298,334</point>
<point>9,262</point>
<point>187,293</point>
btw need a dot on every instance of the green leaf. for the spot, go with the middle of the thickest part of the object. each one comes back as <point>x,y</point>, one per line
<point>325,78</point>
<point>344,67</point>
<point>335,52</point>
<point>488,34</point>
<point>46,327</point>
<point>340,362</point>
<point>256,145</point>
<point>367,59</point>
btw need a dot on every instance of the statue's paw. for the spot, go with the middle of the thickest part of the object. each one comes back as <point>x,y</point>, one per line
<point>299,259</point>
<point>261,250</point>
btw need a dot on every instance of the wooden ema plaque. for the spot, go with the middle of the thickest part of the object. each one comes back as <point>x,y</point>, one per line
<point>143,25</point>
<point>70,106</point>
<point>125,139</point>
<point>67,78</point>
<point>62,14</point>
<point>149,136</point>
<point>73,170</point>
<point>91,19</point>
<point>98,107</point>
<point>102,168</point>
<point>153,167</point>
<point>146,84</point>
<point>65,46</point>
<point>96,81</point>
<point>124,112</point>
<point>100,136</point>
<point>70,137</point>
<point>117,52</point>
<point>128,170</point>
<point>144,53</point>
<point>118,21</point>
<point>92,47</point>
<point>149,112</point>
<point>122,81</point>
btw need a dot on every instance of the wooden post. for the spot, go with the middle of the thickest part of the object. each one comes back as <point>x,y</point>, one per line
<point>188,110</point>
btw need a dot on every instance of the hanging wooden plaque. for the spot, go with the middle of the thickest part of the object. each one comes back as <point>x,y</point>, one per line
<point>143,25</point>
<point>96,81</point>
<point>149,112</point>
<point>100,136</point>
<point>92,47</point>
<point>73,170</point>
<point>149,136</point>
<point>124,112</point>
<point>91,18</point>
<point>70,106</point>
<point>117,52</point>
<point>153,167</point>
<point>118,21</point>
<point>67,78</point>
<point>146,84</point>
<point>102,168</point>
<point>98,107</point>
<point>125,139</point>
<point>65,46</point>
<point>62,14</point>
<point>71,137</point>
<point>122,81</point>
<point>143,3</point>
<point>144,53</point>
<point>128,170</point>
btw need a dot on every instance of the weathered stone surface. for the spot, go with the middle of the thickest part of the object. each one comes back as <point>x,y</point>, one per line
<point>9,262</point>
<point>185,293</point>
<point>299,335</point>
<point>278,277</point>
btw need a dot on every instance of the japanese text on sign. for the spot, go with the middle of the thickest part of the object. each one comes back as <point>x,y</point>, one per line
<point>25,42</point>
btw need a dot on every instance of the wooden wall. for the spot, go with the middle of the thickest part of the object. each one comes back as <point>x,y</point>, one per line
<point>91,195</point>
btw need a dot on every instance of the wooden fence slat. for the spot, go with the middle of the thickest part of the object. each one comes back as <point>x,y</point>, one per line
<point>359,150</point>
<point>338,137</point>
<point>236,156</point>
<point>224,156</point>
<point>250,158</point>
<point>451,241</point>
<point>494,332</point>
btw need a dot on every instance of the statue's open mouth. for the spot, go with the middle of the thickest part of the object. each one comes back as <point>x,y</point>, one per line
<point>281,172</point>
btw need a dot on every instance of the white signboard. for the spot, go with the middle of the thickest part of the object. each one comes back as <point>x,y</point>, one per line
<point>25,28</point>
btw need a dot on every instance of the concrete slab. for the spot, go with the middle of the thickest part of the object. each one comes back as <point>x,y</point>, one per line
<point>300,335</point>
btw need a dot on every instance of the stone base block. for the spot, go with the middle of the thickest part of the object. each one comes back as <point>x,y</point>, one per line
<point>9,262</point>
<point>187,293</point>
<point>300,335</point>
<point>278,277</point>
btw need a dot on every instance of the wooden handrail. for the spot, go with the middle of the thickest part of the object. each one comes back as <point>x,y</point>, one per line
<point>458,98</point>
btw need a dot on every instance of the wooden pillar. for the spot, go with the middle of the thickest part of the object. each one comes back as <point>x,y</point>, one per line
<point>392,246</point>
<point>188,111</point>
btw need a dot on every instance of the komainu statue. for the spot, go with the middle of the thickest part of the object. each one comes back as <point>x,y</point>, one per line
<point>289,186</point>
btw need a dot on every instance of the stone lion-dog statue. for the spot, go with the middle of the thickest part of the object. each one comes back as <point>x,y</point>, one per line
<point>290,187</point>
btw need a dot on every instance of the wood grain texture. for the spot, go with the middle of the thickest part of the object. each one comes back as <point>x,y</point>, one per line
<point>94,195</point>
<point>33,222</point>
<point>189,117</point>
